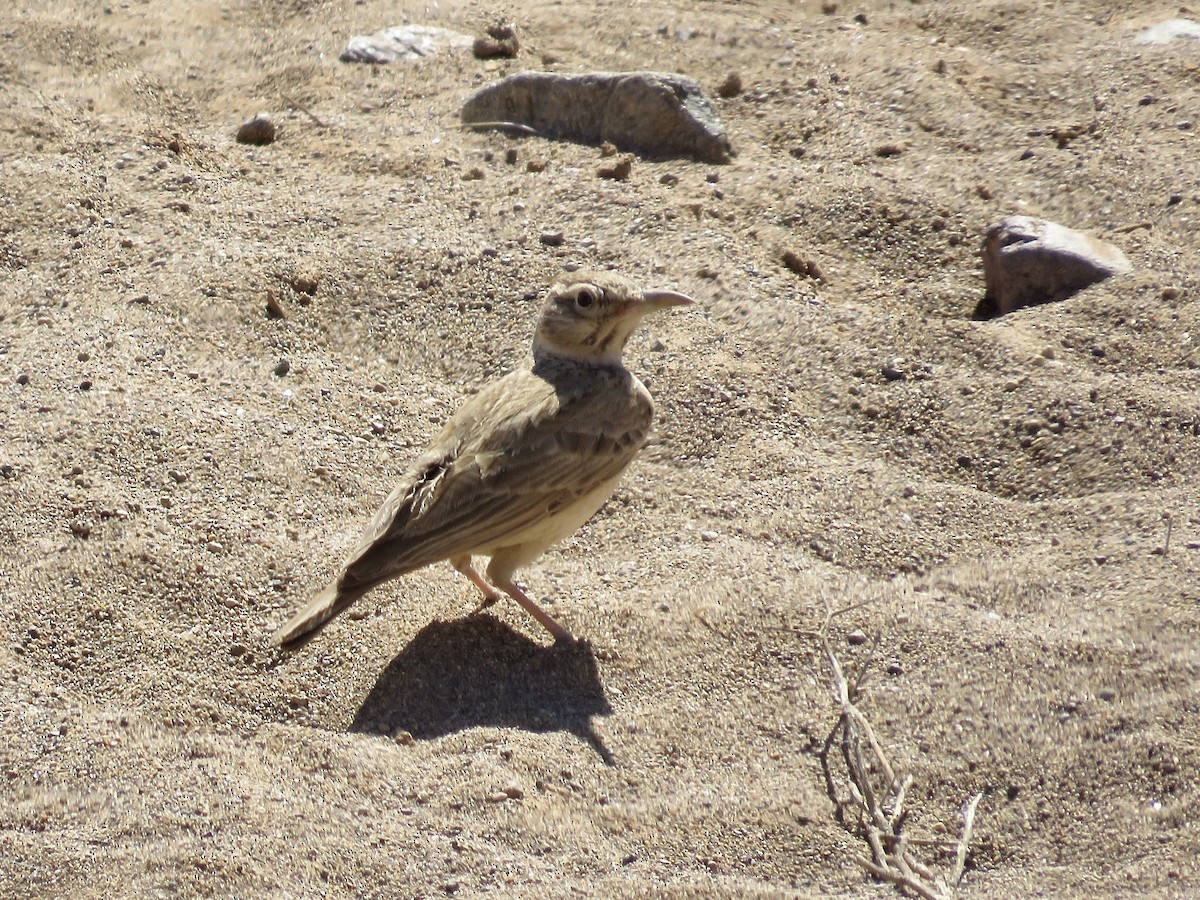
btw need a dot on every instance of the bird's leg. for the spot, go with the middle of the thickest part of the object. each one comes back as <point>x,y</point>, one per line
<point>513,590</point>
<point>490,594</point>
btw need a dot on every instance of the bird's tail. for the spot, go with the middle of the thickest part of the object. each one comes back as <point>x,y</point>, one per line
<point>307,624</point>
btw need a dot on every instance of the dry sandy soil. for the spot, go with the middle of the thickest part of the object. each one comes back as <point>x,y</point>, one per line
<point>994,521</point>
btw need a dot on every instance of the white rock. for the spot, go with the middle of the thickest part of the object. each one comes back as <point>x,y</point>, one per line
<point>403,43</point>
<point>1028,261</point>
<point>1165,32</point>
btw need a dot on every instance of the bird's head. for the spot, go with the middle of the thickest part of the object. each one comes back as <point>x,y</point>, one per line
<point>590,316</point>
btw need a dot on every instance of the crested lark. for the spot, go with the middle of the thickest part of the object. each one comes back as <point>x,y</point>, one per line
<point>523,463</point>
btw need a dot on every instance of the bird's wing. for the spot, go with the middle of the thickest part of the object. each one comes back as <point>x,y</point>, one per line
<point>514,454</point>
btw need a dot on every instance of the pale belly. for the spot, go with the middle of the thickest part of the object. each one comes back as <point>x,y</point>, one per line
<point>527,545</point>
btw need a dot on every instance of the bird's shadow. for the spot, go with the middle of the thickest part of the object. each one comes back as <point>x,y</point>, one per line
<point>478,671</point>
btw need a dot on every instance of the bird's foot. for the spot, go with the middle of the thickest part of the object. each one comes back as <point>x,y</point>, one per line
<point>489,600</point>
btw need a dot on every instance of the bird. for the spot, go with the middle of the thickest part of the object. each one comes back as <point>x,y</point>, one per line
<point>521,465</point>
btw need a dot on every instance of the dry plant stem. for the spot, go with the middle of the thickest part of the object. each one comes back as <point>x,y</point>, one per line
<point>881,812</point>
<point>964,841</point>
<point>304,109</point>
<point>515,127</point>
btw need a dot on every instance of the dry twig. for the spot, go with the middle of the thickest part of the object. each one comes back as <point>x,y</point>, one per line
<point>877,800</point>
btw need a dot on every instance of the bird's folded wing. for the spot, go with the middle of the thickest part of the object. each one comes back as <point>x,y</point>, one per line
<point>500,482</point>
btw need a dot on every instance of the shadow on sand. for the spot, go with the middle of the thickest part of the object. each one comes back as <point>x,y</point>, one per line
<point>478,671</point>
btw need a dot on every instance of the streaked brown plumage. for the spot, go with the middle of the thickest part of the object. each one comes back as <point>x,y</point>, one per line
<point>521,465</point>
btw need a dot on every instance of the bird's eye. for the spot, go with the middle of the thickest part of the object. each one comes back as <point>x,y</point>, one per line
<point>585,299</point>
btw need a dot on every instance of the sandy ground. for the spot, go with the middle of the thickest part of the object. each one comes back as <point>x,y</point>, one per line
<point>994,522</point>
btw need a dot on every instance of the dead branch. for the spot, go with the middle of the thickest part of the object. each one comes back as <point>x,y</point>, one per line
<point>873,802</point>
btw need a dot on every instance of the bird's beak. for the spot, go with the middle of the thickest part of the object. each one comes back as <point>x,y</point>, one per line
<point>652,301</point>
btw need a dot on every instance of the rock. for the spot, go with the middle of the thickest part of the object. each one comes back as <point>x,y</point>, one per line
<point>1028,261</point>
<point>895,369</point>
<point>273,306</point>
<point>618,171</point>
<point>731,86</point>
<point>801,266</point>
<point>283,367</point>
<point>655,114</point>
<point>1165,32</point>
<point>499,40</point>
<point>259,131</point>
<point>403,43</point>
<point>304,281</point>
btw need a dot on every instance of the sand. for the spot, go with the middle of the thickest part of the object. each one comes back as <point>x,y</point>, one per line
<point>973,515</point>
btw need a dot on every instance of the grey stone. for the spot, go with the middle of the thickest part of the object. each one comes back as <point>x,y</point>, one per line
<point>1165,32</point>
<point>1028,261</point>
<point>654,114</point>
<point>403,43</point>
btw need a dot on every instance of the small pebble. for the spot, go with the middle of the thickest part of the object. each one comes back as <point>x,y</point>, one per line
<point>510,156</point>
<point>214,547</point>
<point>731,86</point>
<point>801,266</point>
<point>857,637</point>
<point>283,367</point>
<point>23,378</point>
<point>499,40</point>
<point>259,131</point>
<point>894,369</point>
<point>177,476</point>
<point>551,238</point>
<point>513,792</point>
<point>620,171</point>
<point>402,737</point>
<point>894,668</point>
<point>497,797</point>
<point>274,307</point>
<point>709,535</point>
<point>304,282</point>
